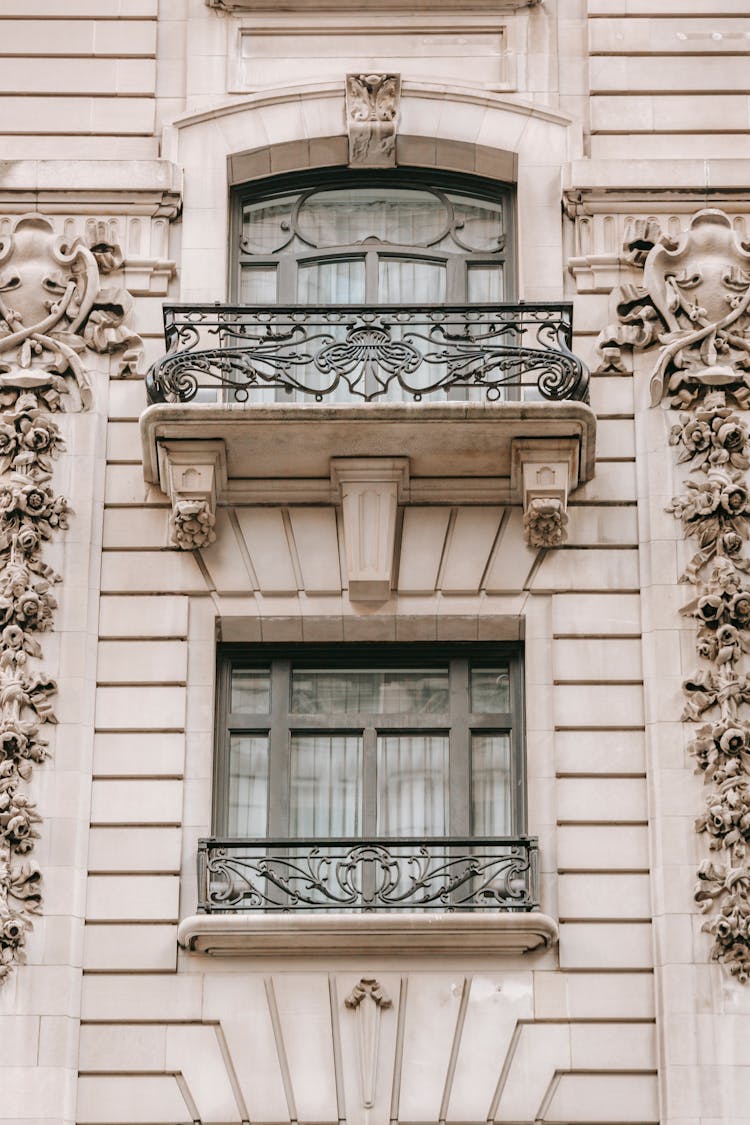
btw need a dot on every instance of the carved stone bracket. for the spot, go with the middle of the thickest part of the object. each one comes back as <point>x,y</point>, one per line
<point>368,999</point>
<point>543,471</point>
<point>192,473</point>
<point>372,108</point>
<point>693,312</point>
<point>370,489</point>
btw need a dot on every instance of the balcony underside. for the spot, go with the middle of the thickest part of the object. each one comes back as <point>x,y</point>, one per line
<point>296,442</point>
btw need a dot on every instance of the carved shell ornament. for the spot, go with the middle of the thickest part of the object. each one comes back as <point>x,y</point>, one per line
<point>52,312</point>
<point>693,307</point>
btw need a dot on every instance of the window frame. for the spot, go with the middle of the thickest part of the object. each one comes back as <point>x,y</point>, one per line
<point>456,263</point>
<point>279,723</point>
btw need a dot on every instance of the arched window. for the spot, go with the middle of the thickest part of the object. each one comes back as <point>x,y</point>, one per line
<point>373,238</point>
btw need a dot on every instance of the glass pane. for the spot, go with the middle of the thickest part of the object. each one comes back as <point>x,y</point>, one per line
<point>491,813</point>
<point>486,284</point>
<point>412,785</point>
<point>251,691</point>
<point>332,283</point>
<point>395,215</point>
<point>490,690</point>
<point>266,226</point>
<point>258,285</point>
<point>479,225</point>
<point>404,282</point>
<point>325,796</point>
<point>248,785</point>
<point>370,691</point>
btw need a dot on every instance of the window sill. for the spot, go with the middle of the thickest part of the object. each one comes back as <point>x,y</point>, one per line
<point>289,935</point>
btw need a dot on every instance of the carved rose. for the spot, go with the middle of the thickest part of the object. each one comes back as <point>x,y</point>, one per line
<point>734,499</point>
<point>27,539</point>
<point>711,609</point>
<point>8,440</point>
<point>730,543</point>
<point>739,608</point>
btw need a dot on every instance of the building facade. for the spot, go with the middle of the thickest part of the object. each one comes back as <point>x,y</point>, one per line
<point>374,607</point>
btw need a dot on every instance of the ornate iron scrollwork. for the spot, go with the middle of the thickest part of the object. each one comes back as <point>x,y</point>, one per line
<point>441,874</point>
<point>368,354</point>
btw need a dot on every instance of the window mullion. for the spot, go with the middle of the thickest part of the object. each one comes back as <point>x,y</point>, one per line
<point>369,783</point>
<point>280,749</point>
<point>459,761</point>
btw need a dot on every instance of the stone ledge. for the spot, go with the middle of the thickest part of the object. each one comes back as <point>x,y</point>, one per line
<point>289,935</point>
<point>274,441</point>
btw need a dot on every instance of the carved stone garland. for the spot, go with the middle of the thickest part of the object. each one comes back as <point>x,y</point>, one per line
<point>52,310</point>
<point>694,304</point>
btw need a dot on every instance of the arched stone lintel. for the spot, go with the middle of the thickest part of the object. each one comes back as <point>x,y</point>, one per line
<point>445,127</point>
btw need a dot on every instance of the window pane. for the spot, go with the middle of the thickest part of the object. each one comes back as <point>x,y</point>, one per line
<point>258,285</point>
<point>331,283</point>
<point>325,785</point>
<point>412,785</point>
<point>265,226</point>
<point>491,813</point>
<point>248,785</point>
<point>479,225</point>
<point>396,215</point>
<point>251,691</point>
<point>403,282</point>
<point>371,691</point>
<point>486,284</point>
<point>490,690</point>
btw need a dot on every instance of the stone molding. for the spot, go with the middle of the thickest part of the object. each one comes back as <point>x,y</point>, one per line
<point>613,230</point>
<point>370,489</point>
<point>692,310</point>
<point>261,935</point>
<point>53,313</point>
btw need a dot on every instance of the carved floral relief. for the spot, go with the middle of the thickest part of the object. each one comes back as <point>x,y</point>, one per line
<point>693,310</point>
<point>53,311</point>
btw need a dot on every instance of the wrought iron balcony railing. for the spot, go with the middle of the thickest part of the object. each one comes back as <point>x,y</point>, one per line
<point>440,874</point>
<point>350,353</point>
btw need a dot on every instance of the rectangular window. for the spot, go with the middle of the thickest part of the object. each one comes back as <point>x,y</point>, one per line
<point>366,742</point>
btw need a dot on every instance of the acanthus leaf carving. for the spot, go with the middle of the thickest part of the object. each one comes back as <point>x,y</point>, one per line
<point>693,307</point>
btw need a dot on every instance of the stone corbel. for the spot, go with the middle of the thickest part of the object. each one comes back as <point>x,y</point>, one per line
<point>369,490</point>
<point>543,472</point>
<point>192,473</point>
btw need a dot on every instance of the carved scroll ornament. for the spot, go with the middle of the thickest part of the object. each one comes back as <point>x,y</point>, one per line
<point>693,308</point>
<point>52,311</point>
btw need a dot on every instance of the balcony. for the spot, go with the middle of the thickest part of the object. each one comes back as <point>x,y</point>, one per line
<point>389,874</point>
<point>496,353</point>
<point>259,897</point>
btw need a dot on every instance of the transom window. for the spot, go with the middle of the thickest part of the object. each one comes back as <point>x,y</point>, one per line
<point>378,238</point>
<point>369,741</point>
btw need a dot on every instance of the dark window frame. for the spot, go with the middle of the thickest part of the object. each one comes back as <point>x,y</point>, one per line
<point>477,187</point>
<point>279,721</point>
